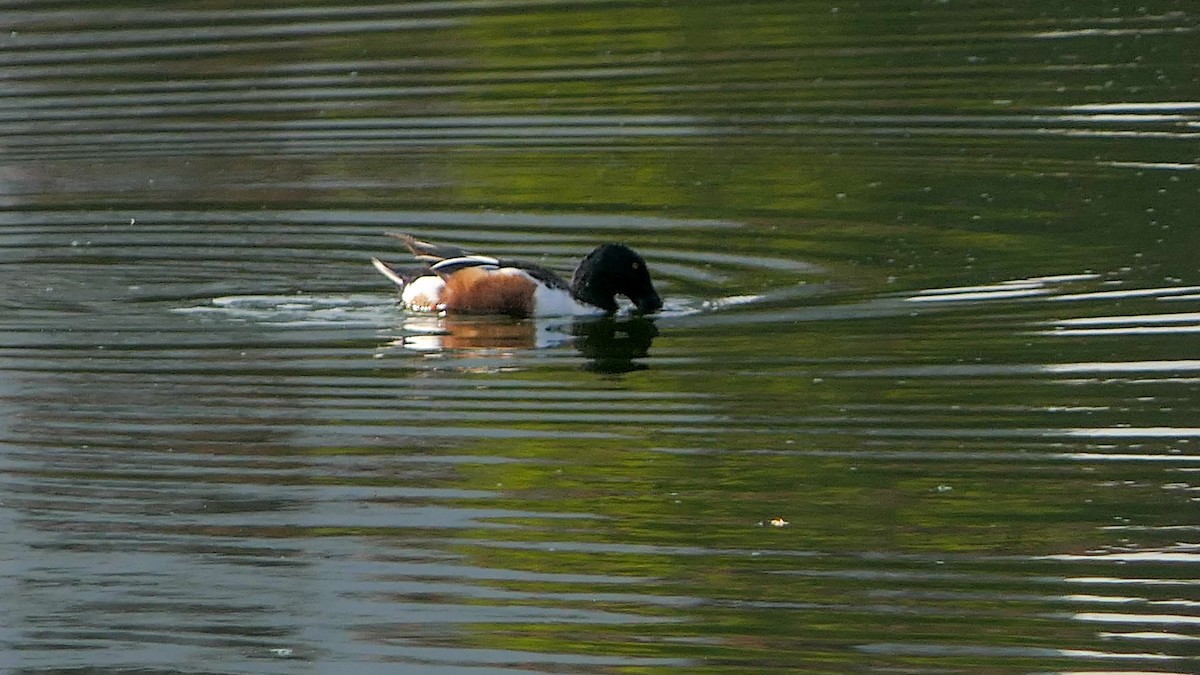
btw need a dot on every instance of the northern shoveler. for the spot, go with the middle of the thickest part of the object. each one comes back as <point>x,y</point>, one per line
<point>456,281</point>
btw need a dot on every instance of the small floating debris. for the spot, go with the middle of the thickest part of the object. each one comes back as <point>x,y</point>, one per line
<point>774,522</point>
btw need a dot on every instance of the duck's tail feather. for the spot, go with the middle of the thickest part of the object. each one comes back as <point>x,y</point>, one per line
<point>399,276</point>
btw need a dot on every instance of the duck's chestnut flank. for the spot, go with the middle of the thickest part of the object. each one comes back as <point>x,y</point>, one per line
<point>456,281</point>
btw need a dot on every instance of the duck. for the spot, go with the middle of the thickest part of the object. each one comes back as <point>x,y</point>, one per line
<point>453,280</point>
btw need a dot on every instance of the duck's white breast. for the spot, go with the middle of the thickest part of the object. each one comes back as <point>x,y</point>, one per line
<point>557,302</point>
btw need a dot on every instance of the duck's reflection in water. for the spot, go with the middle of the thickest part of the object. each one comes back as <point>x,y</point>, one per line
<point>610,344</point>
<point>613,344</point>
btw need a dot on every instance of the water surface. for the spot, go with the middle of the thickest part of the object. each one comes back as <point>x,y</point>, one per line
<point>924,396</point>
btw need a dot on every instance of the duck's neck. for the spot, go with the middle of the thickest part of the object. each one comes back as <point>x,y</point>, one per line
<point>585,290</point>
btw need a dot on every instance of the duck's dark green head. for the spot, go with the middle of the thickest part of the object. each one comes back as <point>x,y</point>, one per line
<point>612,270</point>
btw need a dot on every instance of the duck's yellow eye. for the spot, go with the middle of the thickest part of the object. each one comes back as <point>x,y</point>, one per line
<point>636,266</point>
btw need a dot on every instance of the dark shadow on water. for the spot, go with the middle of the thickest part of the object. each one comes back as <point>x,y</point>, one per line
<point>613,344</point>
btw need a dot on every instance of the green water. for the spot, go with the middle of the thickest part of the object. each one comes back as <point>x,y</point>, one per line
<point>923,397</point>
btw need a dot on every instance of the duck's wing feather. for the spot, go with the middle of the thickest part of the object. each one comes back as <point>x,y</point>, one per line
<point>427,251</point>
<point>445,268</point>
<point>446,260</point>
<point>545,275</point>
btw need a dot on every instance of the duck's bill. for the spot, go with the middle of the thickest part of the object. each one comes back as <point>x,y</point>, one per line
<point>648,303</point>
